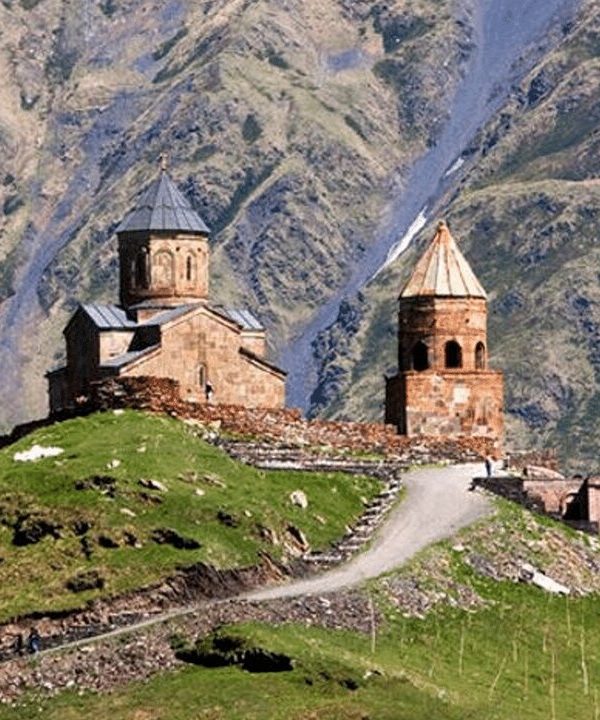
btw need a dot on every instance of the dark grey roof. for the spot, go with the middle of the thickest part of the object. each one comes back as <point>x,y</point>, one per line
<point>128,357</point>
<point>242,317</point>
<point>261,361</point>
<point>112,317</point>
<point>108,317</point>
<point>163,208</point>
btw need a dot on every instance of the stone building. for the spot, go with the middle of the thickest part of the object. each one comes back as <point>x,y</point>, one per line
<point>165,325</point>
<point>444,385</point>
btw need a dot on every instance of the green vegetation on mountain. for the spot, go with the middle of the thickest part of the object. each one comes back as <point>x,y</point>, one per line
<point>290,129</point>
<point>277,128</point>
<point>515,653</point>
<point>527,217</point>
<point>133,497</point>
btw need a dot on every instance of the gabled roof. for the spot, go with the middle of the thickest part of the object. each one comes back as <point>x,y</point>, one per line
<point>166,316</point>
<point>443,271</point>
<point>113,317</point>
<point>108,317</point>
<point>127,358</point>
<point>244,318</point>
<point>163,208</point>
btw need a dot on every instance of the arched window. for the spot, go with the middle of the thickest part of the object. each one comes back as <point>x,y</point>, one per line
<point>453,354</point>
<point>141,269</point>
<point>420,356</point>
<point>163,271</point>
<point>480,356</point>
<point>189,268</point>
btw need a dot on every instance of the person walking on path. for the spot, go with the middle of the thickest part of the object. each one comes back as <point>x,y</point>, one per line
<point>488,466</point>
<point>34,642</point>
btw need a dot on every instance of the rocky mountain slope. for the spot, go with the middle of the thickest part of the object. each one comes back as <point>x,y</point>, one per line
<point>283,125</point>
<point>310,136</point>
<point>526,213</point>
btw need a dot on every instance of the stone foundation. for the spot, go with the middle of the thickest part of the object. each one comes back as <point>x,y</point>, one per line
<point>452,402</point>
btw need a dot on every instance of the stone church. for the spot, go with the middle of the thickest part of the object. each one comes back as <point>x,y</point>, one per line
<point>444,385</point>
<point>165,325</point>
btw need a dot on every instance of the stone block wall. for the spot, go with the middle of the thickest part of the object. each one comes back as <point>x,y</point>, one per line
<point>204,347</point>
<point>573,500</point>
<point>452,402</point>
<point>435,321</point>
<point>593,500</point>
<point>554,496</point>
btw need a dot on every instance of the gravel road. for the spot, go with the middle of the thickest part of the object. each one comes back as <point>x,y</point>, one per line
<point>437,504</point>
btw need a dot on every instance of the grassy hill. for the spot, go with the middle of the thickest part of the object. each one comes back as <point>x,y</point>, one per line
<point>482,646</point>
<point>133,497</point>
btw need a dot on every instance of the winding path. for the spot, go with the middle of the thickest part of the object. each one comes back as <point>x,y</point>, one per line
<point>437,504</point>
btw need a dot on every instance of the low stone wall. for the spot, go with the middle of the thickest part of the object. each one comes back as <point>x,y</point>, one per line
<point>564,499</point>
<point>285,426</point>
<point>544,458</point>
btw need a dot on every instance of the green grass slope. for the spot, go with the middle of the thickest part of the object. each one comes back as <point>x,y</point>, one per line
<point>91,496</point>
<point>515,653</point>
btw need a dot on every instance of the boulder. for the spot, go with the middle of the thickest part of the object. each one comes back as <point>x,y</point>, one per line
<point>153,485</point>
<point>298,538</point>
<point>298,498</point>
<point>214,480</point>
<point>268,534</point>
<point>532,575</point>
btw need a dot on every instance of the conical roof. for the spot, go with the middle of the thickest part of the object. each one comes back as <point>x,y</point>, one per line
<point>443,271</point>
<point>163,208</point>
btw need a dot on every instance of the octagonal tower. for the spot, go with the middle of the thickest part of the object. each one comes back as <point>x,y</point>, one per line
<point>444,386</point>
<point>163,250</point>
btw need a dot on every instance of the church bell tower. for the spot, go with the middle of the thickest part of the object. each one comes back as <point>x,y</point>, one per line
<point>163,250</point>
<point>444,385</point>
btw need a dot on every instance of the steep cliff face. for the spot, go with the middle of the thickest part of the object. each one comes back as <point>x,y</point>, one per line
<point>527,213</point>
<point>287,125</point>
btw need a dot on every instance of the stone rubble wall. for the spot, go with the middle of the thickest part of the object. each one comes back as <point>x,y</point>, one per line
<point>285,426</point>
<point>551,496</point>
<point>110,664</point>
<point>544,458</point>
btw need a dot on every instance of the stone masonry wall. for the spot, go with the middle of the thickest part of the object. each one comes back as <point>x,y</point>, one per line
<point>435,321</point>
<point>205,341</point>
<point>453,402</point>
<point>285,425</point>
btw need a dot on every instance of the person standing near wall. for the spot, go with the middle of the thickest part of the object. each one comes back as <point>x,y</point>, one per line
<point>488,466</point>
